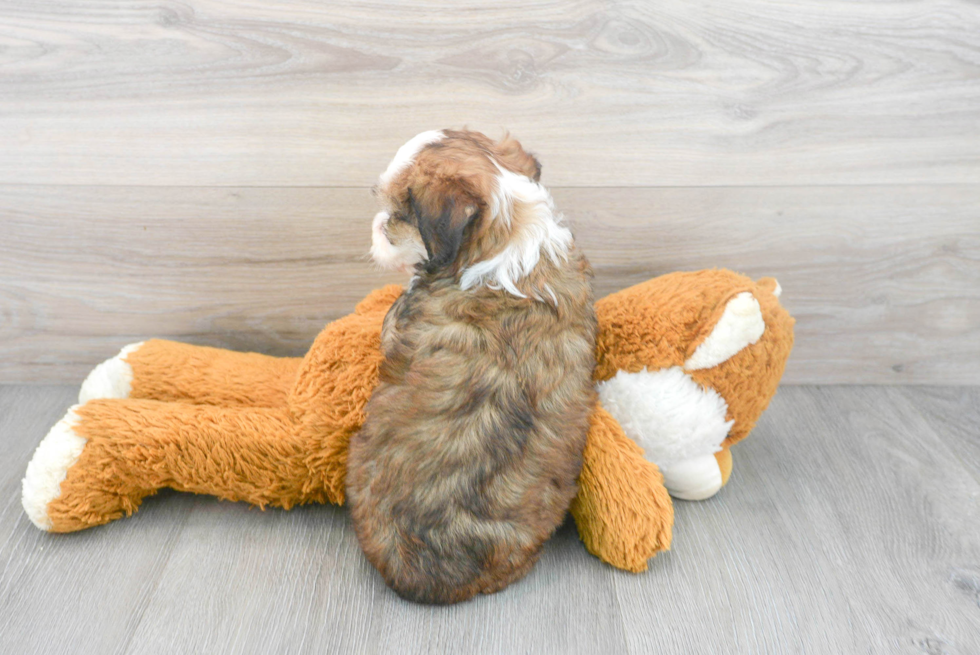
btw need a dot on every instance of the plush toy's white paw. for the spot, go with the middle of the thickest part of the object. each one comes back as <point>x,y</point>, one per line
<point>740,325</point>
<point>667,413</point>
<point>113,378</point>
<point>56,453</point>
<point>697,478</point>
<point>678,423</point>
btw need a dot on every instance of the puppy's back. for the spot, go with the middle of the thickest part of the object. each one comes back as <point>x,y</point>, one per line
<point>473,442</point>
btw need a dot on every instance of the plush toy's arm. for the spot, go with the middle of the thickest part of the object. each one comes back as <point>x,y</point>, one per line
<point>266,430</point>
<point>179,372</point>
<point>623,512</point>
<point>686,363</point>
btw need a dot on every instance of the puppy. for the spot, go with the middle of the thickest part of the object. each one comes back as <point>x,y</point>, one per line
<point>473,442</point>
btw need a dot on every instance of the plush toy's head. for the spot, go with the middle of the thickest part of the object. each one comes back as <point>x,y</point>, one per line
<point>687,362</point>
<point>721,329</point>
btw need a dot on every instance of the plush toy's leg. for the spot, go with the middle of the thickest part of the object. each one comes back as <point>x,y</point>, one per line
<point>724,459</point>
<point>172,371</point>
<point>622,510</point>
<point>104,457</point>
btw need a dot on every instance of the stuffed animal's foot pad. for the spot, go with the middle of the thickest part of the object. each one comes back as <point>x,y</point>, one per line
<point>56,453</point>
<point>696,478</point>
<point>112,378</point>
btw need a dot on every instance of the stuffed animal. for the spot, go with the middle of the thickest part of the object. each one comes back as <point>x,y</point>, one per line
<point>686,364</point>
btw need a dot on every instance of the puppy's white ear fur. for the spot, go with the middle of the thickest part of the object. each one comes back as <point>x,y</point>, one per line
<point>528,208</point>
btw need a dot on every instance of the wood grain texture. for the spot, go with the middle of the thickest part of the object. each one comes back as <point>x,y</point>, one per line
<point>625,93</point>
<point>86,593</point>
<point>884,281</point>
<point>850,526</point>
<point>954,413</point>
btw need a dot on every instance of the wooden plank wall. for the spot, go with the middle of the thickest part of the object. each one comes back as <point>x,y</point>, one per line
<point>199,170</point>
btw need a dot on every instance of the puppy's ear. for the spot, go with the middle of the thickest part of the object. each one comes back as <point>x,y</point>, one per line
<point>442,219</point>
<point>511,154</point>
<point>536,165</point>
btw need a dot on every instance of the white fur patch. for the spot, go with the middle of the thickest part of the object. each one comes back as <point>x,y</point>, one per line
<point>740,325</point>
<point>540,232</point>
<point>387,255</point>
<point>113,378</point>
<point>56,453</point>
<point>693,479</point>
<point>406,154</point>
<point>667,413</point>
<point>778,291</point>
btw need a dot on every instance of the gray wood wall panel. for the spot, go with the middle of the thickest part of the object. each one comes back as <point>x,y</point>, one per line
<point>609,93</point>
<point>196,170</point>
<point>884,281</point>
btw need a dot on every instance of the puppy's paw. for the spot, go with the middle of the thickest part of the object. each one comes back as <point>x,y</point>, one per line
<point>112,378</point>
<point>56,453</point>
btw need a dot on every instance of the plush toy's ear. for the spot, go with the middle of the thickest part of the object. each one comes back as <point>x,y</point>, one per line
<point>442,213</point>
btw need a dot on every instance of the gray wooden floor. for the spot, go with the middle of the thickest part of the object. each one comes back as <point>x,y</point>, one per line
<point>852,525</point>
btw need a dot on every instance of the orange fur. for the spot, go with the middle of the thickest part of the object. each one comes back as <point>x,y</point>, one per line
<point>622,510</point>
<point>275,432</point>
<point>659,323</point>
<point>179,372</point>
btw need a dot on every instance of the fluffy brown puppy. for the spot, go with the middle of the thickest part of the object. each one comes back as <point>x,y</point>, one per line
<point>468,459</point>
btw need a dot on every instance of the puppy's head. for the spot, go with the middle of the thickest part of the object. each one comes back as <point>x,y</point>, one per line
<point>443,196</point>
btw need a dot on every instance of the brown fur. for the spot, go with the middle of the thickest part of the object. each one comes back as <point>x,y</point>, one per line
<point>468,459</point>
<point>451,181</point>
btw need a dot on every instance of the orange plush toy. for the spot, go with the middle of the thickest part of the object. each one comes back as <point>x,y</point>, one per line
<point>686,364</point>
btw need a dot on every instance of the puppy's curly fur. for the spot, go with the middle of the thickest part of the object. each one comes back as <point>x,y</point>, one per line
<point>473,442</point>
